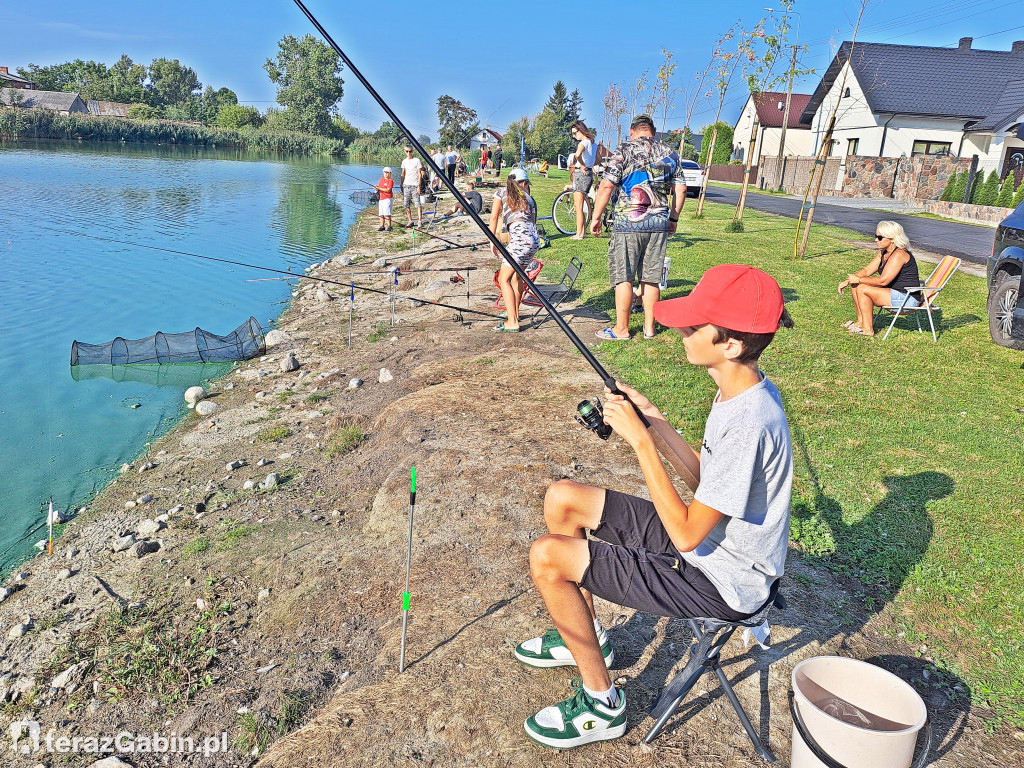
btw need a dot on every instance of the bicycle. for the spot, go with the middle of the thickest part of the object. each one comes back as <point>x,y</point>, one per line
<point>563,211</point>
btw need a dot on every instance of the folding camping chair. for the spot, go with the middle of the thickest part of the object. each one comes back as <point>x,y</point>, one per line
<point>711,636</point>
<point>562,288</point>
<point>532,270</point>
<point>925,294</point>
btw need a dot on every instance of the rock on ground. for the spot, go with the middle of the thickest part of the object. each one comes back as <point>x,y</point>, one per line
<point>194,394</point>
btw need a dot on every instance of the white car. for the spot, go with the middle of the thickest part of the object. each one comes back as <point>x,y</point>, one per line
<point>694,175</point>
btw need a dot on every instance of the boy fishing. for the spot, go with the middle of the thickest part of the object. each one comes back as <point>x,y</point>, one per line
<point>715,557</point>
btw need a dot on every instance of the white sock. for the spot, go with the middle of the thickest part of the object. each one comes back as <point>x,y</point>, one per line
<point>609,697</point>
<point>597,626</point>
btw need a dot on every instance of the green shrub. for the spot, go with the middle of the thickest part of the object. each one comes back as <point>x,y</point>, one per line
<point>985,192</point>
<point>377,150</point>
<point>723,144</point>
<point>961,187</point>
<point>950,190</point>
<point>1018,196</point>
<point>1005,196</point>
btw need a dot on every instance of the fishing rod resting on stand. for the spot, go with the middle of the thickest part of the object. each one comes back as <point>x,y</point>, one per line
<point>688,472</point>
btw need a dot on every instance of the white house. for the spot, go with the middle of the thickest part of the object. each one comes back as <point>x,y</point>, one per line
<point>904,100</point>
<point>485,138</point>
<point>769,107</point>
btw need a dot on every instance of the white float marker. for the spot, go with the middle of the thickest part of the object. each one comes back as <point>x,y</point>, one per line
<point>49,524</point>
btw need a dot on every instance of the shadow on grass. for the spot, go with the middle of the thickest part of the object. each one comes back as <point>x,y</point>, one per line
<point>942,324</point>
<point>875,554</point>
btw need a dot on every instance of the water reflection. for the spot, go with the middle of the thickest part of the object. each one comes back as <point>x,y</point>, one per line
<point>306,215</point>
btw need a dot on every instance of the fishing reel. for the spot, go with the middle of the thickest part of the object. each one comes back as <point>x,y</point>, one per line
<point>457,278</point>
<point>591,416</point>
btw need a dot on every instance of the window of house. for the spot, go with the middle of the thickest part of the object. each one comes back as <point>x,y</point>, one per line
<point>852,145</point>
<point>931,148</point>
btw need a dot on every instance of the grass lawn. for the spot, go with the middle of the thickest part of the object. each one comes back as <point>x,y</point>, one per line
<point>908,453</point>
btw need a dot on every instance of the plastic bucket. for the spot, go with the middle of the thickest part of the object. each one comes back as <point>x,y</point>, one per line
<point>853,714</point>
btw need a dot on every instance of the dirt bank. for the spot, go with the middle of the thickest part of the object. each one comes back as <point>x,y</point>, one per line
<point>272,612</point>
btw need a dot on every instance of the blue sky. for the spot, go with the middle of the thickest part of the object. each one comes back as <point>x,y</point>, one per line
<point>502,63</point>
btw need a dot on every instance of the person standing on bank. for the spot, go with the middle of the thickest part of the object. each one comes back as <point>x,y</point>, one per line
<point>452,158</point>
<point>583,172</point>
<point>496,159</point>
<point>716,557</point>
<point>884,280</point>
<point>517,209</point>
<point>411,168</point>
<point>652,190</point>
<point>385,186</point>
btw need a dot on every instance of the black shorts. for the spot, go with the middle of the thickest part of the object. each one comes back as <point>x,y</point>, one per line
<point>636,565</point>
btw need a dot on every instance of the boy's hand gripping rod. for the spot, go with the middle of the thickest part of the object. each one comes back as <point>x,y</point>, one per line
<point>689,477</point>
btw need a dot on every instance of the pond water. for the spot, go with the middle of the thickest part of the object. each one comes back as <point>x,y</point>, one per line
<point>62,279</point>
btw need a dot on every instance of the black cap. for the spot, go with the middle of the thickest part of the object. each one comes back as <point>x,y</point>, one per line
<point>642,120</point>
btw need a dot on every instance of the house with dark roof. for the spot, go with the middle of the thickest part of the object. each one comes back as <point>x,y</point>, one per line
<point>769,108</point>
<point>906,100</point>
<point>55,101</point>
<point>10,80</point>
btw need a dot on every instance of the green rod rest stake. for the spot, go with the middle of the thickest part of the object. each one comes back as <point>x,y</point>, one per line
<point>408,567</point>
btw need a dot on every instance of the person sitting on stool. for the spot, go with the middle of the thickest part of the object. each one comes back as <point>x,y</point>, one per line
<point>715,557</point>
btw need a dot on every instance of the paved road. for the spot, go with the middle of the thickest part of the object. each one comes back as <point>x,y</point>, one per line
<point>969,242</point>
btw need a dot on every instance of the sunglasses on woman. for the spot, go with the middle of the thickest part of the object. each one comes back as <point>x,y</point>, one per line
<point>880,237</point>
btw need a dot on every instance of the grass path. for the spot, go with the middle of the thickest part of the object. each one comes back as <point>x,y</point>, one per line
<point>909,468</point>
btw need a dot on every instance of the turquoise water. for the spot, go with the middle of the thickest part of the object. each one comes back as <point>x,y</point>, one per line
<point>65,438</point>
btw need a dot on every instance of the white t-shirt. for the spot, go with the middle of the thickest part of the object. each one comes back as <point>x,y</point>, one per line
<point>746,473</point>
<point>589,156</point>
<point>453,157</point>
<point>411,166</point>
<point>439,159</point>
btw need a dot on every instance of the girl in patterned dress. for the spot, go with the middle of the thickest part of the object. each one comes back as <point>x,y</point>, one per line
<point>517,209</point>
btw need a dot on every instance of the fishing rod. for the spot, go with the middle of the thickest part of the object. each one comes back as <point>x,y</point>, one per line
<point>278,271</point>
<point>685,470</point>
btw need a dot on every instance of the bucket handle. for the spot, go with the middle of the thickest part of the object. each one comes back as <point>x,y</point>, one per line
<point>819,753</point>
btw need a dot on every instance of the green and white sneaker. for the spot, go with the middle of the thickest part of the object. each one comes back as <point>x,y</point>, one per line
<point>577,721</point>
<point>549,650</point>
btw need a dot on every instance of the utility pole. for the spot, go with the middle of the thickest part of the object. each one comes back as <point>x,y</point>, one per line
<point>785,120</point>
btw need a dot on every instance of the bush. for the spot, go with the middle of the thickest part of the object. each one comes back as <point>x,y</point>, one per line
<point>985,192</point>
<point>723,144</point>
<point>238,116</point>
<point>1018,196</point>
<point>1005,196</point>
<point>961,187</point>
<point>950,190</point>
<point>142,112</point>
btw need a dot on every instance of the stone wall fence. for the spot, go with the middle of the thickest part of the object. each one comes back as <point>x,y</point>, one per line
<point>796,173</point>
<point>922,177</point>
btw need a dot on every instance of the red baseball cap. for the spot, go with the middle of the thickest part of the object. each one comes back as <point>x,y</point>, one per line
<point>733,296</point>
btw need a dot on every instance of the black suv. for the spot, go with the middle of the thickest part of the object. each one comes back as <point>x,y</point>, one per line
<point>1005,294</point>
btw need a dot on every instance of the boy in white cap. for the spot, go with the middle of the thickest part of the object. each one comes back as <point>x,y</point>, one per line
<point>386,187</point>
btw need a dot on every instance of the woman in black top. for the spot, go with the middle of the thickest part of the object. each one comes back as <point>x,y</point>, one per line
<point>883,282</point>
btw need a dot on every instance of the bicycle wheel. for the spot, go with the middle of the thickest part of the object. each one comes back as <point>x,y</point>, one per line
<point>563,212</point>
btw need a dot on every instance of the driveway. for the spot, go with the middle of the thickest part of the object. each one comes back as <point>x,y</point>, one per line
<point>971,243</point>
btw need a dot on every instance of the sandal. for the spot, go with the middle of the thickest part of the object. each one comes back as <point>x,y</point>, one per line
<point>607,334</point>
<point>856,329</point>
<point>500,328</point>
<point>848,323</point>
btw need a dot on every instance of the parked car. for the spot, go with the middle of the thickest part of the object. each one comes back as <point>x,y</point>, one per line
<point>694,175</point>
<point>1005,288</point>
